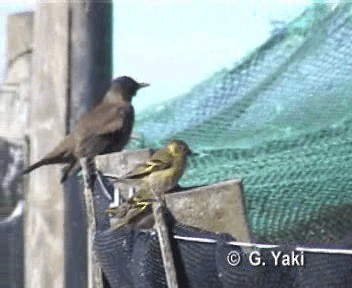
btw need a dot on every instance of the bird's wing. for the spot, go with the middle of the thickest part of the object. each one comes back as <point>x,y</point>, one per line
<point>146,168</point>
<point>94,130</point>
<point>105,119</point>
<point>119,121</point>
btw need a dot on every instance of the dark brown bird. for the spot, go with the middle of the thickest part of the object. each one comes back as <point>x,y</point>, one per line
<point>105,129</point>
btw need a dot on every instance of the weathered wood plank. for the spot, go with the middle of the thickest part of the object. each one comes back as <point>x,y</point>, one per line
<point>217,208</point>
<point>44,217</point>
<point>15,91</point>
<point>165,244</point>
<point>90,73</point>
<point>14,106</point>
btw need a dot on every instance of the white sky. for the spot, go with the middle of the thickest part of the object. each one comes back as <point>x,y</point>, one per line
<point>175,44</point>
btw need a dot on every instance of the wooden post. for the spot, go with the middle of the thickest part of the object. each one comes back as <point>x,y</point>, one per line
<point>71,71</point>
<point>94,271</point>
<point>90,73</point>
<point>14,104</point>
<point>165,245</point>
<point>44,212</point>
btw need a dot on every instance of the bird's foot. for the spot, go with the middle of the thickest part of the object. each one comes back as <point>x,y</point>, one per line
<point>69,170</point>
<point>91,180</point>
<point>143,205</point>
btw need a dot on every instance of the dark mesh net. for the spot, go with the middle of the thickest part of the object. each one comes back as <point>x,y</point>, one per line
<point>11,249</point>
<point>131,258</point>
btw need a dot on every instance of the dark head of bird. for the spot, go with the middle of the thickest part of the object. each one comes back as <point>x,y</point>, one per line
<point>127,86</point>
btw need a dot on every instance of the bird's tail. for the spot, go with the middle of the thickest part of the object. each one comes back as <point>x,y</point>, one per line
<point>61,154</point>
<point>51,158</point>
<point>37,165</point>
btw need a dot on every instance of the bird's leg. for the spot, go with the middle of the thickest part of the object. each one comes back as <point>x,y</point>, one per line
<point>67,169</point>
<point>92,175</point>
<point>142,205</point>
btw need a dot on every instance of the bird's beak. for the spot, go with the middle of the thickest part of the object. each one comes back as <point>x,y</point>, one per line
<point>142,85</point>
<point>191,153</point>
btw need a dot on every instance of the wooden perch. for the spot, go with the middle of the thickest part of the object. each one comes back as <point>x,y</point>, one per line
<point>164,242</point>
<point>94,271</point>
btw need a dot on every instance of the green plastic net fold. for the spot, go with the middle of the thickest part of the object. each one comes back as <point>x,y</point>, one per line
<point>281,120</point>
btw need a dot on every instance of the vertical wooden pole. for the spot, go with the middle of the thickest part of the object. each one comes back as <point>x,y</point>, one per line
<point>71,71</point>
<point>165,245</point>
<point>44,213</point>
<point>14,98</point>
<point>94,272</point>
<point>14,104</point>
<point>90,73</point>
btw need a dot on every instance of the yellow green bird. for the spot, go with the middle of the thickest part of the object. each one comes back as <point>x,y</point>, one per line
<point>157,176</point>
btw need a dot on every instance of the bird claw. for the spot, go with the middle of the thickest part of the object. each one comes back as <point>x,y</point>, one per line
<point>143,205</point>
<point>91,180</point>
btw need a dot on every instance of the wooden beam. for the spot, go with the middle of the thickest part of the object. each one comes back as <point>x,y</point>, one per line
<point>165,244</point>
<point>44,213</point>
<point>90,73</point>
<point>94,272</point>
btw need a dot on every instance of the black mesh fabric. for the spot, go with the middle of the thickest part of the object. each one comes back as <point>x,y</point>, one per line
<point>11,250</point>
<point>130,257</point>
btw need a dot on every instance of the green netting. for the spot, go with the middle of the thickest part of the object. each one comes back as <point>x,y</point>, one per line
<point>281,120</point>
